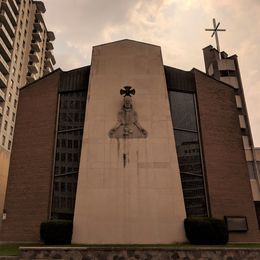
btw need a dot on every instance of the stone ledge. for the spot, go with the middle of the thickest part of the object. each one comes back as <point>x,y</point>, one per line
<point>137,248</point>
<point>116,253</point>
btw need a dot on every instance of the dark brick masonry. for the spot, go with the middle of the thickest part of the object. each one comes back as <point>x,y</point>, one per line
<point>29,181</point>
<point>224,157</point>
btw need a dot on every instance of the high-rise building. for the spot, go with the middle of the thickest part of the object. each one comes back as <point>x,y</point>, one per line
<point>25,55</point>
<point>128,147</point>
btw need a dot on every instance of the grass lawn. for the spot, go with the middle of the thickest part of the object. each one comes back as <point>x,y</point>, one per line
<point>9,250</point>
<point>13,249</point>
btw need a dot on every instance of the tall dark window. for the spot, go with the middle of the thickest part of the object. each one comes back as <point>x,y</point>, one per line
<point>69,139</point>
<point>183,111</point>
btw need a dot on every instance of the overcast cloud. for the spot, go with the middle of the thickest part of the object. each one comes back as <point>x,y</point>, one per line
<point>175,25</point>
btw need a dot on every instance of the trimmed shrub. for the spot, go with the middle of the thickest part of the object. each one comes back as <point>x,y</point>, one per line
<point>56,232</point>
<point>207,231</point>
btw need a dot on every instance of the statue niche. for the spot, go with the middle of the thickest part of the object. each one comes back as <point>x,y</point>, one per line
<point>127,125</point>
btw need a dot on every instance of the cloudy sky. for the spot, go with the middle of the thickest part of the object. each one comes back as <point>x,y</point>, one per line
<point>175,25</point>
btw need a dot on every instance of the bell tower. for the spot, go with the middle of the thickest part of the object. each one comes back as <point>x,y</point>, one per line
<point>225,68</point>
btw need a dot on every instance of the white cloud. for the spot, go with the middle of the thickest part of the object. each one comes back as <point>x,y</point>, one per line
<point>176,25</point>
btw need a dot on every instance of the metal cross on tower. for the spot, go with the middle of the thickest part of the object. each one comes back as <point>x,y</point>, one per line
<point>215,31</point>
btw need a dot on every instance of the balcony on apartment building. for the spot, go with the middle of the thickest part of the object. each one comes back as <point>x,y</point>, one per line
<point>50,36</point>
<point>30,77</point>
<point>7,24</point>
<point>4,19</point>
<point>53,61</point>
<point>14,6</point>
<point>35,45</point>
<point>38,26</point>
<point>40,6</point>
<point>40,9</point>
<point>5,36</point>
<point>4,67</point>
<point>49,59</point>
<point>49,55</point>
<point>3,80</point>
<point>48,63</point>
<point>32,66</point>
<point>6,54</point>
<point>49,46</point>
<point>11,9</point>
<point>47,70</point>
<point>39,17</point>
<point>37,35</point>
<point>34,56</point>
<point>1,111</point>
<point>2,95</point>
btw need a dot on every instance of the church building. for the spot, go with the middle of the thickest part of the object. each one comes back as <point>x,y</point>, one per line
<point>128,148</point>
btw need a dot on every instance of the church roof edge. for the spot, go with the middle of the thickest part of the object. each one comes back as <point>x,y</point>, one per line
<point>124,40</point>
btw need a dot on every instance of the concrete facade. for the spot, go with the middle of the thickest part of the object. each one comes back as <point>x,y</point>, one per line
<point>141,203</point>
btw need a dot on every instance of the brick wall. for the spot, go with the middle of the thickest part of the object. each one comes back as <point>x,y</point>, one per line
<point>30,175</point>
<point>226,170</point>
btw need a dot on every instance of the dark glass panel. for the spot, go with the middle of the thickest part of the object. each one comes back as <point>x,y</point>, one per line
<point>179,80</point>
<point>188,151</point>
<point>227,73</point>
<point>183,110</point>
<point>70,111</point>
<point>189,158</point>
<point>60,208</point>
<point>68,149</point>
<point>194,195</point>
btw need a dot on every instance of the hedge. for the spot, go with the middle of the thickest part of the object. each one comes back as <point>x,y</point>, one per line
<point>56,232</point>
<point>208,231</point>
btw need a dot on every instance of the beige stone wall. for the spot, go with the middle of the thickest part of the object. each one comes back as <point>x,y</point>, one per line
<point>4,167</point>
<point>143,201</point>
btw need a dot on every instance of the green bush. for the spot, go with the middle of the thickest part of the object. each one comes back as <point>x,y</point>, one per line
<point>56,232</point>
<point>208,231</point>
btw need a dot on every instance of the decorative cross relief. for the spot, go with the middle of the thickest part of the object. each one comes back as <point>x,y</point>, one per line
<point>127,125</point>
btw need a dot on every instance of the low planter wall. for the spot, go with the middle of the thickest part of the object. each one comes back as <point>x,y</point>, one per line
<point>99,253</point>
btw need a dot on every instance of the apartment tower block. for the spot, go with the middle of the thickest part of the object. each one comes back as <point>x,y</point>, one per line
<point>25,55</point>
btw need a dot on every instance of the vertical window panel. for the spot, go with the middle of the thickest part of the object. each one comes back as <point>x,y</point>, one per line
<point>183,111</point>
<point>70,132</point>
